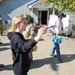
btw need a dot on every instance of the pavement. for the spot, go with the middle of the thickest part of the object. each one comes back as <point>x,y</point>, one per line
<point>43,63</point>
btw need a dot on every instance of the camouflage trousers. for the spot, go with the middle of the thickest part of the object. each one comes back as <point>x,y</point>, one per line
<point>31,56</point>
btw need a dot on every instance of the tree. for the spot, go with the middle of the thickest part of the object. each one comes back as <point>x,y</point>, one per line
<point>61,5</point>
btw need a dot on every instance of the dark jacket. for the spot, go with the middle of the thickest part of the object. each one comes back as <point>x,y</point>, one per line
<point>20,49</point>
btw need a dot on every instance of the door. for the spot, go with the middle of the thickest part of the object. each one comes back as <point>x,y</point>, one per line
<point>44,17</point>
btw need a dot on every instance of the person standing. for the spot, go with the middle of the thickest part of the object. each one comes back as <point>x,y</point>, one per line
<point>1,65</point>
<point>57,30</point>
<point>19,46</point>
<point>1,32</point>
<point>1,27</point>
<point>29,33</point>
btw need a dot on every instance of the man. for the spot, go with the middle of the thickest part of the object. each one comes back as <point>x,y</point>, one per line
<point>28,34</point>
<point>1,65</point>
<point>1,27</point>
<point>57,30</point>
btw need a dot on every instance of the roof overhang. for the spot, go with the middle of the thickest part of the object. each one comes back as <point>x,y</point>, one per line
<point>33,3</point>
<point>37,4</point>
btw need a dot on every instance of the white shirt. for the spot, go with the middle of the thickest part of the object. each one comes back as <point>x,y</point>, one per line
<point>58,26</point>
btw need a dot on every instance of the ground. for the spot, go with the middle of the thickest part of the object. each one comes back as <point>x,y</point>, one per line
<point>43,63</point>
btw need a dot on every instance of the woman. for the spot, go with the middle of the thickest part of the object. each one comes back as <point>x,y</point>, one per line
<point>19,46</point>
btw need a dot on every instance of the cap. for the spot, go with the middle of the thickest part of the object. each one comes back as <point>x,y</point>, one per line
<point>25,15</point>
<point>61,15</point>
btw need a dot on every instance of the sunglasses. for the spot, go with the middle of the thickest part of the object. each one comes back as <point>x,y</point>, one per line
<point>26,18</point>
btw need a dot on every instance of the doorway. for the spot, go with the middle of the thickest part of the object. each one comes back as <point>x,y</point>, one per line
<point>44,17</point>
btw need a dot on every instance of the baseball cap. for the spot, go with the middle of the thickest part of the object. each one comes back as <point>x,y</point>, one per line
<point>61,15</point>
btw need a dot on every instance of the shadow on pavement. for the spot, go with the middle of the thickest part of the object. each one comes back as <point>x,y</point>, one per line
<point>5,44</point>
<point>52,61</point>
<point>68,58</point>
<point>6,67</point>
<point>4,48</point>
<point>41,62</point>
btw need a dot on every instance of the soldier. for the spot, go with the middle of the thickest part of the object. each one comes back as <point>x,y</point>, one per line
<point>1,27</point>
<point>30,34</point>
<point>1,32</point>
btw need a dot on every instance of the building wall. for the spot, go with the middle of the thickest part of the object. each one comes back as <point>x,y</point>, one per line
<point>11,8</point>
<point>35,11</point>
<point>72,20</point>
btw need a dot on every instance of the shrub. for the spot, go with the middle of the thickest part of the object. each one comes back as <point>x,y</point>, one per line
<point>31,19</point>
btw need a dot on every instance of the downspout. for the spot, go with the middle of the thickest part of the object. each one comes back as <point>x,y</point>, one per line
<point>31,11</point>
<point>53,12</point>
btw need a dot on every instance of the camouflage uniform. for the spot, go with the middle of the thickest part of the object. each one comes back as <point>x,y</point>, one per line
<point>1,32</point>
<point>29,34</point>
<point>1,27</point>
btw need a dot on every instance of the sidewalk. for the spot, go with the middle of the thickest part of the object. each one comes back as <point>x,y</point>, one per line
<point>43,63</point>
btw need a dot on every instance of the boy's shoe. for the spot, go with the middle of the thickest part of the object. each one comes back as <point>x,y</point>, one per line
<point>1,65</point>
<point>60,60</point>
<point>53,55</point>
